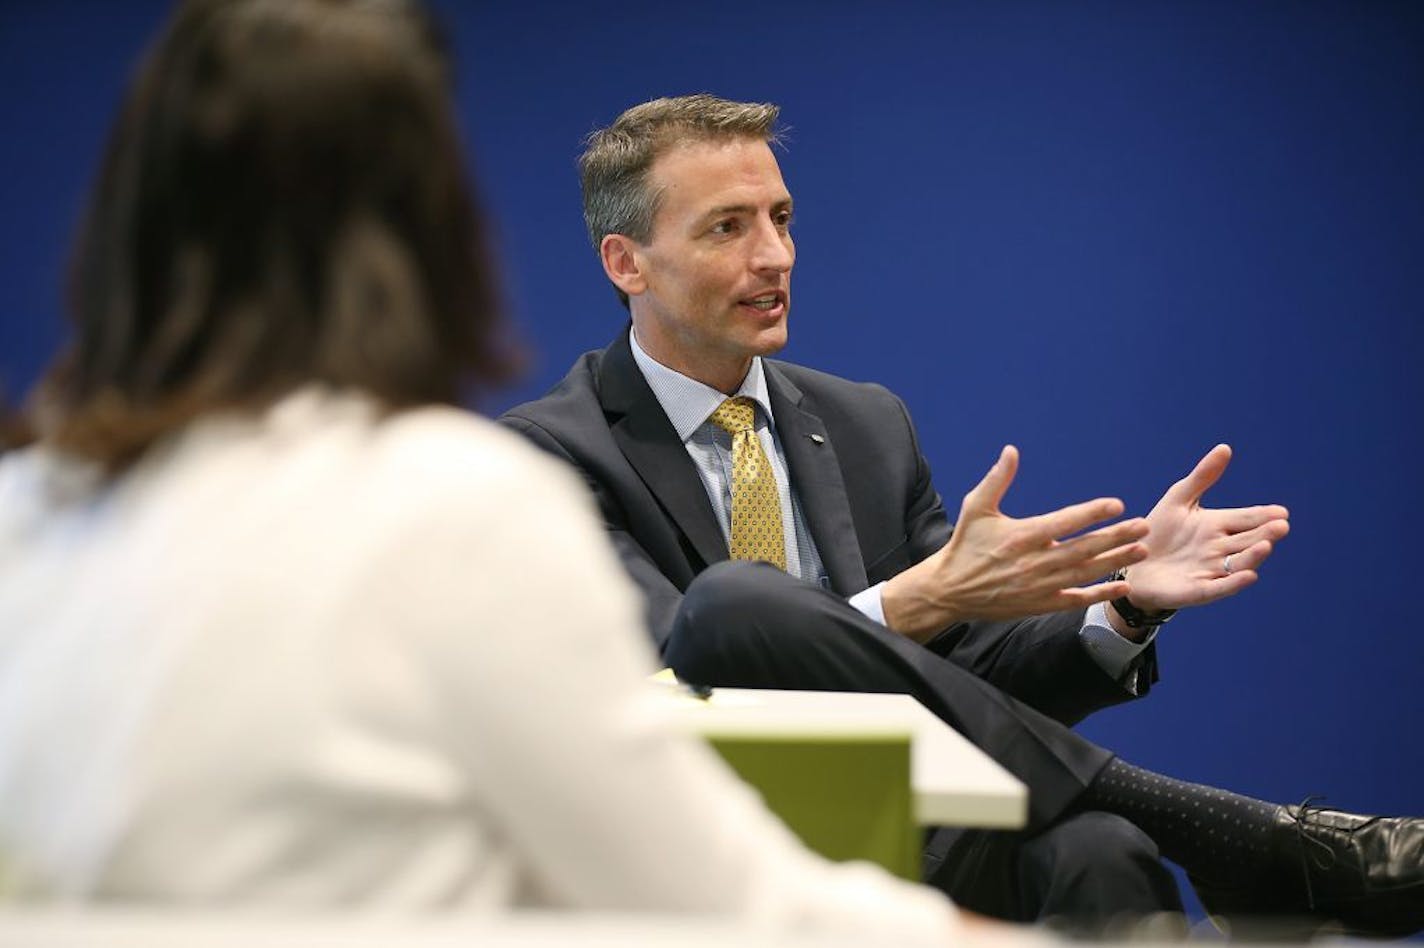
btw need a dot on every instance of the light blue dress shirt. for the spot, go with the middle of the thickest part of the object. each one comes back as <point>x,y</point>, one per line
<point>688,403</point>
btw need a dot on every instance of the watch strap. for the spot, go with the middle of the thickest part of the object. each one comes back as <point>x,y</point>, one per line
<point>1138,618</point>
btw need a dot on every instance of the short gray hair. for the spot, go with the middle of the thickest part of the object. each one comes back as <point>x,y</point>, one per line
<point>614,166</point>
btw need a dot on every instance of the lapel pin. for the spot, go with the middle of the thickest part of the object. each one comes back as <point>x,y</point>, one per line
<point>817,438</point>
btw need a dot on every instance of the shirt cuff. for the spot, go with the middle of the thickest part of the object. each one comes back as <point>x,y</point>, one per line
<point>867,603</point>
<point>1113,654</point>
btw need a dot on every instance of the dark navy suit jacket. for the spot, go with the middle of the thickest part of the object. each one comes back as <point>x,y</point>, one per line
<point>865,490</point>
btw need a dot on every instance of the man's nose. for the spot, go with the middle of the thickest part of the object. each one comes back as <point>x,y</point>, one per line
<point>773,249</point>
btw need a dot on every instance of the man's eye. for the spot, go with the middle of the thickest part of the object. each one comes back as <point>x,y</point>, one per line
<point>725,227</point>
<point>783,220</point>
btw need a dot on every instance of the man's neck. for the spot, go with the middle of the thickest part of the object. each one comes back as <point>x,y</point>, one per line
<point>686,401</point>
<point>728,382</point>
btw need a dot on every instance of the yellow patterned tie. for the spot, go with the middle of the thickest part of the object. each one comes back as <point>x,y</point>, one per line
<point>756,508</point>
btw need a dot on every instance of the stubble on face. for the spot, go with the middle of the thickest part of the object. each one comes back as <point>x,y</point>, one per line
<point>718,265</point>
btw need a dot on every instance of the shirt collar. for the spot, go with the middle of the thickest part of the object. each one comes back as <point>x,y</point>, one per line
<point>686,401</point>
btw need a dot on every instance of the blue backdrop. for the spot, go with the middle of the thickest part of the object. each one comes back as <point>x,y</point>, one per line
<point>1111,233</point>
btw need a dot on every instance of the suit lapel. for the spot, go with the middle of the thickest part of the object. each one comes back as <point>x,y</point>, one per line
<point>645,436</point>
<point>816,476</point>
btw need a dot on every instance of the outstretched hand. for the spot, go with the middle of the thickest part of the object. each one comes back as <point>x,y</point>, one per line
<point>1188,544</point>
<point>998,567</point>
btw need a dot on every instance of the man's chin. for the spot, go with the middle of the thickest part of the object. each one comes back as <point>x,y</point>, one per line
<point>771,339</point>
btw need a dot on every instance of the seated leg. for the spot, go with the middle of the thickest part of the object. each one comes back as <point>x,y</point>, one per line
<point>1086,871</point>
<point>751,625</point>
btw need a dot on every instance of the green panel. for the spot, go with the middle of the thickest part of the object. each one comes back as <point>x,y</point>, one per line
<point>846,797</point>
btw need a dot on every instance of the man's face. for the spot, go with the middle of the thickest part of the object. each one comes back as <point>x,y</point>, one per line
<point>717,269</point>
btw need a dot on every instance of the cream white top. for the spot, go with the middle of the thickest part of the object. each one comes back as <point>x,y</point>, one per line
<point>320,658</point>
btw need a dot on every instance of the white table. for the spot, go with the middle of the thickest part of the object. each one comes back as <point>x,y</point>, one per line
<point>953,782</point>
<point>160,927</point>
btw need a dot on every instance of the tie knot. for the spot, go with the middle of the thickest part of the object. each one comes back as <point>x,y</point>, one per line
<point>734,415</point>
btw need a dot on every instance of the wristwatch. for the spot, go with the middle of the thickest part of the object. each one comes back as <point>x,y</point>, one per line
<point>1137,618</point>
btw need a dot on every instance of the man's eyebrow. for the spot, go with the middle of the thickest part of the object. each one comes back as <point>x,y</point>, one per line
<point>741,209</point>
<point>728,209</point>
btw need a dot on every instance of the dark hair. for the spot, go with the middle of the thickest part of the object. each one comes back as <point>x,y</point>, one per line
<point>282,202</point>
<point>14,429</point>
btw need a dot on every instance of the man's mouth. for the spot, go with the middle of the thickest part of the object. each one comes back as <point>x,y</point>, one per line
<point>766,302</point>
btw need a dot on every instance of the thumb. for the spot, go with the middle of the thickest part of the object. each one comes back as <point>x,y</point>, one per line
<point>1189,490</point>
<point>989,492</point>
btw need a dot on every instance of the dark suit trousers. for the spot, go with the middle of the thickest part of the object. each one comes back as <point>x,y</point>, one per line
<point>750,625</point>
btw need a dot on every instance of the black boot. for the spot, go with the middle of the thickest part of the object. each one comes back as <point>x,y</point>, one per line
<point>1364,873</point>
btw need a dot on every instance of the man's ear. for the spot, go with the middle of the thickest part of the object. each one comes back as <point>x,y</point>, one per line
<point>623,263</point>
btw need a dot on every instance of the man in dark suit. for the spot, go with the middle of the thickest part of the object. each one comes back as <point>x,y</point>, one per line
<point>784,528</point>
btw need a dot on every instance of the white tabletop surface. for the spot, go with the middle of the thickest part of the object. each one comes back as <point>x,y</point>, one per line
<point>954,783</point>
<point>96,927</point>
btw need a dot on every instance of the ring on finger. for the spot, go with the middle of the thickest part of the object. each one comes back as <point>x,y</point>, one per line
<point>1226,564</point>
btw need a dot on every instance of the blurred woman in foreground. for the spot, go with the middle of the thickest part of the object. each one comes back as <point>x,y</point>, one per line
<point>280,625</point>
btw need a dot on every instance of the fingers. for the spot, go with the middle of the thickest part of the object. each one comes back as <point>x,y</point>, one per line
<point>1244,566</point>
<point>1108,562</point>
<point>1087,557</point>
<point>1093,555</point>
<point>1069,520</point>
<point>1208,471</point>
<point>1080,597</point>
<point>1083,572</point>
<point>1228,585</point>
<point>989,492</point>
<point>1251,558</point>
<point>1241,519</point>
<point>1104,539</point>
<point>1271,530</point>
